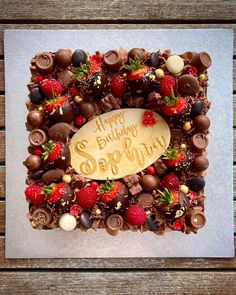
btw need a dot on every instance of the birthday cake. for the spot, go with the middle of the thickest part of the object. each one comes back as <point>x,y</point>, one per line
<point>117,140</point>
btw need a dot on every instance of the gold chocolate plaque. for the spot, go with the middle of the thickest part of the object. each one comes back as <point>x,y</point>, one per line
<point>117,143</point>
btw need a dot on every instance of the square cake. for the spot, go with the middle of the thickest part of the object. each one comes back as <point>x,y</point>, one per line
<point>117,140</point>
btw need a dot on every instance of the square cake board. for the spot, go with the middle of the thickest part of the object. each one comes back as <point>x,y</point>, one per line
<point>216,239</point>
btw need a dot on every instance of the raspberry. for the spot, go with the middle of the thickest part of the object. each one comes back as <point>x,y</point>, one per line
<point>51,87</point>
<point>86,197</point>
<point>95,59</point>
<point>170,181</point>
<point>167,85</point>
<point>34,194</point>
<point>118,86</point>
<point>74,91</point>
<point>151,170</point>
<point>135,215</point>
<point>78,121</point>
<point>76,210</point>
<point>177,224</point>
<point>94,184</point>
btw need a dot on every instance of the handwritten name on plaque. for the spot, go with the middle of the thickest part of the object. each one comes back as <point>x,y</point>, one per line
<point>116,144</point>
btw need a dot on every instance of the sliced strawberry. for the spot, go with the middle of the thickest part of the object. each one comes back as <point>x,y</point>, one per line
<point>118,86</point>
<point>178,107</point>
<point>168,197</point>
<point>167,85</point>
<point>95,59</point>
<point>109,190</point>
<point>137,74</point>
<point>172,157</point>
<point>54,104</point>
<point>52,150</point>
<point>51,87</point>
<point>54,192</point>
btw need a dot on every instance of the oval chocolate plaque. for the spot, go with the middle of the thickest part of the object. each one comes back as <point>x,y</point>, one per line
<point>117,143</point>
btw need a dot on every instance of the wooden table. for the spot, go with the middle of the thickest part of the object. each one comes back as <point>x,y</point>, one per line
<point>112,276</point>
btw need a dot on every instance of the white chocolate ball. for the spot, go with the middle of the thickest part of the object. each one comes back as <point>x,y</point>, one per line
<point>159,73</point>
<point>184,189</point>
<point>175,64</point>
<point>66,178</point>
<point>67,222</point>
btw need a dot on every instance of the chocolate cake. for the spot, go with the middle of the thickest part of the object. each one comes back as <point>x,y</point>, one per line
<point>117,140</point>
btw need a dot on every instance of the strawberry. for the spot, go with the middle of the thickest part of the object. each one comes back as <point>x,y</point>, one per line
<point>52,150</point>
<point>168,197</point>
<point>174,106</point>
<point>60,195</point>
<point>59,109</point>
<point>178,224</point>
<point>118,86</point>
<point>54,192</point>
<point>54,104</point>
<point>86,197</point>
<point>167,85</point>
<point>170,181</point>
<point>34,194</point>
<point>137,70</point>
<point>51,87</point>
<point>109,190</point>
<point>95,59</point>
<point>135,75</point>
<point>57,153</point>
<point>135,215</point>
<point>172,157</point>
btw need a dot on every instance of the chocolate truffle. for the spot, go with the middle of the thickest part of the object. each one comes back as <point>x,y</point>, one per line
<point>52,175</point>
<point>201,61</point>
<point>33,162</point>
<point>36,96</point>
<point>64,113</point>
<point>140,52</point>
<point>59,131</point>
<point>35,118</point>
<point>113,60</point>
<point>199,141</point>
<point>63,57</point>
<point>37,175</point>
<point>174,64</point>
<point>197,108</point>
<point>145,200</point>
<point>40,217</point>
<point>149,183</point>
<point>196,183</point>
<point>44,62</point>
<point>200,163</point>
<point>67,222</point>
<point>86,109</point>
<point>37,137</point>
<point>197,219</point>
<point>114,223</point>
<point>85,220</point>
<point>153,60</point>
<point>188,85</point>
<point>152,223</point>
<point>79,57</point>
<point>66,77</point>
<point>201,123</point>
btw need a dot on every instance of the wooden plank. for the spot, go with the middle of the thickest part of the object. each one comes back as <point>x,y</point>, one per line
<point>2,182</point>
<point>2,216</point>
<point>113,10</point>
<point>115,282</point>
<point>2,86</point>
<point>2,110</point>
<point>116,263</point>
<point>114,26</point>
<point>2,146</point>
